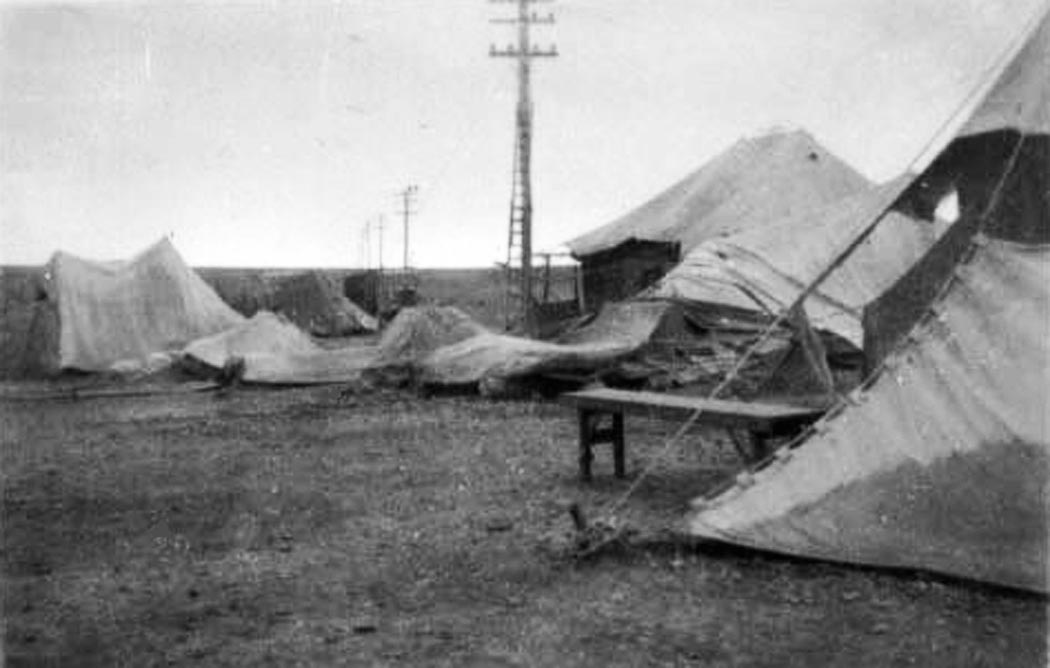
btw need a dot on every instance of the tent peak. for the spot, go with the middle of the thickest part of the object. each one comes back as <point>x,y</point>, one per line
<point>755,179</point>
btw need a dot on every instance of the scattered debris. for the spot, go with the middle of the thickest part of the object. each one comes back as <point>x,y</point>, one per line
<point>499,524</point>
<point>364,625</point>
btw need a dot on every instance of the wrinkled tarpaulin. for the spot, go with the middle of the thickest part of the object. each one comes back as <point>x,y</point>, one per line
<point>619,330</point>
<point>764,269</point>
<point>275,351</point>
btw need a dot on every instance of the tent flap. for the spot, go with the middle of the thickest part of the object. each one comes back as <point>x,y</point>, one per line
<point>941,461</point>
<point>944,463</point>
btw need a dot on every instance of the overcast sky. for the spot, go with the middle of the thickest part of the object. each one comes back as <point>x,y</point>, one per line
<point>267,133</point>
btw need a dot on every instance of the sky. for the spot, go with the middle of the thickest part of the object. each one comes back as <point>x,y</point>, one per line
<point>270,133</point>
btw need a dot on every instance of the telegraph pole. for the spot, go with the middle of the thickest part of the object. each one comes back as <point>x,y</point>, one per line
<point>379,229</point>
<point>406,196</point>
<point>519,238</point>
<point>380,287</point>
<point>366,247</point>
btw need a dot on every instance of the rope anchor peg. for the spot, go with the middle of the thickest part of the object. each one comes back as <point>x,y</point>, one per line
<point>591,537</point>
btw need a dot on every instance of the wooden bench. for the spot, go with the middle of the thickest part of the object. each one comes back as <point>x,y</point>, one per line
<point>762,421</point>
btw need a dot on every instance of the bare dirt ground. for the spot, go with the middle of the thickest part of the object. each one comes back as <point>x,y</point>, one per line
<point>265,528</point>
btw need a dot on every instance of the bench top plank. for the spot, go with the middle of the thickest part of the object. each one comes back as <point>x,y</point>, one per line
<point>714,411</point>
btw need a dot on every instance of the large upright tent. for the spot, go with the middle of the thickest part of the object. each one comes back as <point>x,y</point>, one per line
<point>100,313</point>
<point>755,181</point>
<point>941,461</point>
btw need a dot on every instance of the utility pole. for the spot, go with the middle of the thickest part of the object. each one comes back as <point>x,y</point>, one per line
<point>406,196</point>
<point>519,238</point>
<point>379,230</point>
<point>366,247</point>
<point>380,288</point>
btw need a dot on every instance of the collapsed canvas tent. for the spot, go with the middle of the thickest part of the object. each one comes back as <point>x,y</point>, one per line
<point>314,302</point>
<point>415,333</point>
<point>756,180</point>
<point>941,460</point>
<point>98,314</point>
<point>274,351</point>
<point>764,268</point>
<point>433,345</point>
<point>264,333</point>
<point>618,331</point>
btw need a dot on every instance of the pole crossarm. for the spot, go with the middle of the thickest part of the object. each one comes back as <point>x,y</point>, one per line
<point>513,52</point>
<point>533,19</point>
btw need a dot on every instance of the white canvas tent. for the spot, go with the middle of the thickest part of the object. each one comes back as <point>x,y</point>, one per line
<point>755,181</point>
<point>941,460</point>
<point>99,314</point>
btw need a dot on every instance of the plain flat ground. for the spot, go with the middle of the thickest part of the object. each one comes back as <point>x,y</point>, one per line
<point>294,527</point>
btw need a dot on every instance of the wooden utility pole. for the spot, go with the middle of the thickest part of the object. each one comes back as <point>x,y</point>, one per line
<point>366,247</point>
<point>380,279</point>
<point>379,230</point>
<point>519,238</point>
<point>406,196</point>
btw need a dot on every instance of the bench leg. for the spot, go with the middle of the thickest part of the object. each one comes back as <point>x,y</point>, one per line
<point>586,419</point>
<point>591,434</point>
<point>618,446</point>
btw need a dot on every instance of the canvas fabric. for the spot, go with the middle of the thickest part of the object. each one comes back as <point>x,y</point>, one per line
<point>121,311</point>
<point>416,332</point>
<point>619,330</point>
<point>765,270</point>
<point>314,302</point>
<point>942,460</point>
<point>276,352</point>
<point>944,463</point>
<point>758,179</point>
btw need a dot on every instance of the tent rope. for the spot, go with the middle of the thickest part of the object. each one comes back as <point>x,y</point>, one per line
<point>610,509</point>
<point>905,341</point>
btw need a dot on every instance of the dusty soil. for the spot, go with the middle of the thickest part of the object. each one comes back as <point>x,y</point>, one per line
<point>294,527</point>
